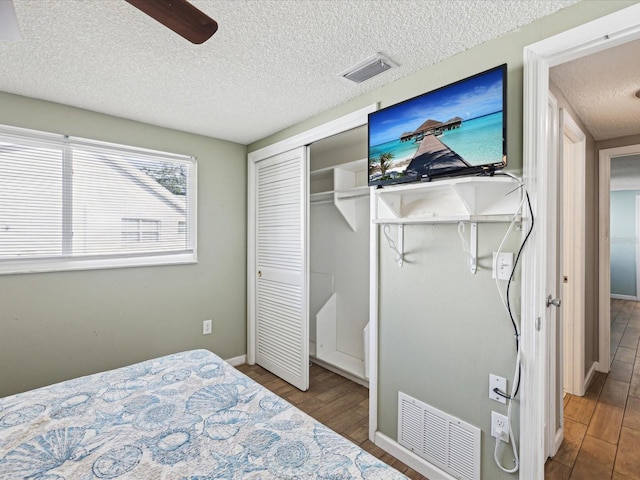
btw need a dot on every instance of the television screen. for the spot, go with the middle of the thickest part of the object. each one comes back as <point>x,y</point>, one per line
<point>458,129</point>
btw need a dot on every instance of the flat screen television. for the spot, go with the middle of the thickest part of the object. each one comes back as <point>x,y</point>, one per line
<point>458,129</point>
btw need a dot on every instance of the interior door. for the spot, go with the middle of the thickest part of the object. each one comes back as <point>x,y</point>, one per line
<point>281,287</point>
<point>554,432</point>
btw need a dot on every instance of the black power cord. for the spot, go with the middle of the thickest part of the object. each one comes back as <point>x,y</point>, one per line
<point>513,322</point>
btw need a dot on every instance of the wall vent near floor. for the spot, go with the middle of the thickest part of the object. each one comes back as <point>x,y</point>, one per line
<point>440,438</point>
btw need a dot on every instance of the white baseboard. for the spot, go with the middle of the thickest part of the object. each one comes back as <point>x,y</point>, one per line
<point>587,379</point>
<point>410,459</point>
<point>235,361</point>
<point>339,371</point>
<point>624,297</point>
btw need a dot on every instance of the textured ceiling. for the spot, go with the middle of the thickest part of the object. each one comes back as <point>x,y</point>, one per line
<point>601,90</point>
<point>272,63</point>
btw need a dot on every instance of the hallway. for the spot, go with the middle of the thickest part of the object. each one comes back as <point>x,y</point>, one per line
<point>602,429</point>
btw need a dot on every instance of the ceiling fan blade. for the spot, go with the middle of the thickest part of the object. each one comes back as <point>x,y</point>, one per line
<point>180,16</point>
<point>9,29</point>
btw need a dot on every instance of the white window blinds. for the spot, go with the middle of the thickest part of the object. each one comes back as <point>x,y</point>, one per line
<point>68,203</point>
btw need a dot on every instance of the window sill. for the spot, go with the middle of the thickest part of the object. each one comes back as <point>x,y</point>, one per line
<point>9,267</point>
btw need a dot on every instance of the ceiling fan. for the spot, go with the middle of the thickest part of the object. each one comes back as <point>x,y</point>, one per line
<point>177,15</point>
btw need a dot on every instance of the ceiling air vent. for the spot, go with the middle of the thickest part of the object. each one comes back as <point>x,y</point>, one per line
<point>368,68</point>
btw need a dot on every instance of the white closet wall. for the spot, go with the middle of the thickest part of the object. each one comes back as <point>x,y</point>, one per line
<point>339,253</point>
<point>339,224</point>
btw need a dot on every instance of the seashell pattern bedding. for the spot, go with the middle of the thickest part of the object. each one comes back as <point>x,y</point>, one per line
<point>184,416</point>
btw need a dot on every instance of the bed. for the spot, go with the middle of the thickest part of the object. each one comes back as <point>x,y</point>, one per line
<point>188,415</point>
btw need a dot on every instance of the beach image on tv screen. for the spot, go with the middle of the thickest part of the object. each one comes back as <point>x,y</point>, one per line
<point>450,129</point>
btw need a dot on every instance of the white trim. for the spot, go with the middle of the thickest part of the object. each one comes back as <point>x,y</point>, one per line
<point>637,218</point>
<point>533,344</point>
<point>604,250</point>
<point>339,125</point>
<point>558,439</point>
<point>604,260</point>
<point>589,376</point>
<point>553,435</point>
<point>608,31</point>
<point>10,267</point>
<point>251,262</point>
<point>410,459</point>
<point>373,318</point>
<point>573,243</point>
<point>624,297</point>
<point>235,361</point>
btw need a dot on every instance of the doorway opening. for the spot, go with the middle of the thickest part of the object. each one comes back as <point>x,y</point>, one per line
<point>611,31</point>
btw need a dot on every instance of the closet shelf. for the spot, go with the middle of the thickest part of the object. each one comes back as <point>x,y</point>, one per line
<point>329,196</point>
<point>446,219</point>
<point>321,197</point>
<point>341,185</point>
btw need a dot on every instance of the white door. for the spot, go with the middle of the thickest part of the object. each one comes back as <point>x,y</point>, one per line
<point>573,152</point>
<point>281,286</point>
<point>554,432</point>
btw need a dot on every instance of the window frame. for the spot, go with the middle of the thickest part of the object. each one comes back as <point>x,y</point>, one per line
<point>67,261</point>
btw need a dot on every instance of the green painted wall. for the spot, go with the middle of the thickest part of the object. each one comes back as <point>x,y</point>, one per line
<point>442,330</point>
<point>55,326</point>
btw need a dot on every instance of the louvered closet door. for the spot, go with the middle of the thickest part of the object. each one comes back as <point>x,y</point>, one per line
<point>282,326</point>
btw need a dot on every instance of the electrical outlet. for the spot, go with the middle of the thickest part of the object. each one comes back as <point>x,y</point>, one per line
<point>501,384</point>
<point>500,427</point>
<point>206,327</point>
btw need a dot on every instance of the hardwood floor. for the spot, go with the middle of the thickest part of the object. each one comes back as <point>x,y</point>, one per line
<point>338,403</point>
<point>602,429</point>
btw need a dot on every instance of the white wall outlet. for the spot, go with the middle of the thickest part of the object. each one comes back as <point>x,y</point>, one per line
<point>500,427</point>
<point>502,265</point>
<point>206,327</point>
<point>501,384</point>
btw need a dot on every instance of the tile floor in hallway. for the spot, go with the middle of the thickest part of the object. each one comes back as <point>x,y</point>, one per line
<point>602,429</point>
<point>338,403</point>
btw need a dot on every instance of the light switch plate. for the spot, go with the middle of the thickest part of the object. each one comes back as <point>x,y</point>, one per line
<point>501,384</point>
<point>502,265</point>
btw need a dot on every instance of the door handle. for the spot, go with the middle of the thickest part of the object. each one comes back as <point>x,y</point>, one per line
<point>556,302</point>
<point>259,274</point>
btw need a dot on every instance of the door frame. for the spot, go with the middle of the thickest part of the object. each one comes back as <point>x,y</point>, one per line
<point>573,244</point>
<point>352,120</point>
<point>609,31</point>
<point>604,181</point>
<point>637,232</point>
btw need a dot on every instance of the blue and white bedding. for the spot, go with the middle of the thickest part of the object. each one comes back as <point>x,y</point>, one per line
<point>183,416</point>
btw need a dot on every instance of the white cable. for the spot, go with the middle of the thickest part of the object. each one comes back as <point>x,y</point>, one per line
<point>516,375</point>
<point>504,239</point>
<point>386,229</point>
<point>465,246</point>
<point>516,459</point>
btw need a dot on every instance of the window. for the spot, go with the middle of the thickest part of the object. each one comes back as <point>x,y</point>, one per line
<point>135,230</point>
<point>70,203</point>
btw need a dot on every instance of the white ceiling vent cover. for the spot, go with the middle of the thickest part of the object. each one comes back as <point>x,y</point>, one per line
<point>368,68</point>
<point>442,439</point>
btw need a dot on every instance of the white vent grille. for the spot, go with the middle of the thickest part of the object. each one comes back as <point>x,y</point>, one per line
<point>440,438</point>
<point>368,68</point>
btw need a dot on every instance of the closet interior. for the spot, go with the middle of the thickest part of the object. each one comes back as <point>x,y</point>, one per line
<point>339,237</point>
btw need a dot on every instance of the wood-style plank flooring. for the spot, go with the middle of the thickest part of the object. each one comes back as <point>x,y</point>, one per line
<point>602,429</point>
<point>338,403</point>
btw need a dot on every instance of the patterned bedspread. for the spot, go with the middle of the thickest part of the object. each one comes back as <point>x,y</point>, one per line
<point>183,416</point>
